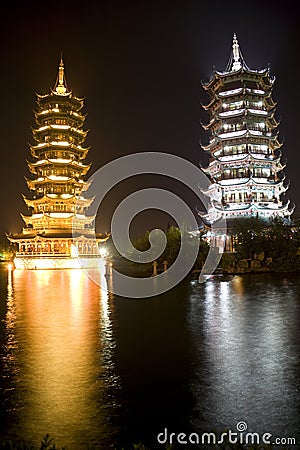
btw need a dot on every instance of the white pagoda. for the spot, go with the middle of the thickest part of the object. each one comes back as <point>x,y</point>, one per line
<point>245,168</point>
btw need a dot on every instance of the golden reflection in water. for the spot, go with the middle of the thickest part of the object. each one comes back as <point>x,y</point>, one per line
<point>238,285</point>
<point>62,324</point>
<point>11,347</point>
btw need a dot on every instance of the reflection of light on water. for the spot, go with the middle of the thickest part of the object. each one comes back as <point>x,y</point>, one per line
<point>224,300</point>
<point>237,285</point>
<point>56,315</point>
<point>216,305</point>
<point>105,320</point>
<point>10,318</point>
<point>77,280</point>
<point>244,331</point>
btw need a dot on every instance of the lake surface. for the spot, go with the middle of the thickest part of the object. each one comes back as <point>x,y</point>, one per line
<point>86,366</point>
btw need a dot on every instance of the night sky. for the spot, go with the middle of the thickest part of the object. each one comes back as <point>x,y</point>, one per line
<point>139,66</point>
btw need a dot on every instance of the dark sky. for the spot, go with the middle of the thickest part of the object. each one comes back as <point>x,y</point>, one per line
<point>139,66</point>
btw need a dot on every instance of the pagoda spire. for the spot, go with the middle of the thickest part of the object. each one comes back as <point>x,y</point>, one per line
<point>61,85</point>
<point>236,54</point>
<point>236,60</point>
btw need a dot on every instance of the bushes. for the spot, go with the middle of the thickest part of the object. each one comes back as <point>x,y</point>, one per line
<point>277,240</point>
<point>174,238</point>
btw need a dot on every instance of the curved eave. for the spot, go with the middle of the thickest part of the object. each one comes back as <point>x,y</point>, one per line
<point>68,114</point>
<point>53,162</point>
<point>214,100</point>
<point>224,208</point>
<point>50,128</point>
<point>100,237</point>
<point>241,94</point>
<point>249,112</point>
<point>46,199</point>
<point>254,206</point>
<point>207,148</point>
<point>66,94</point>
<point>76,101</point>
<point>208,125</point>
<point>60,216</point>
<point>42,236</point>
<point>48,146</point>
<point>70,181</point>
<point>83,218</point>
<point>242,134</point>
<point>263,74</point>
<point>206,169</point>
<point>250,156</point>
<point>207,85</point>
<point>248,181</point>
<point>272,122</point>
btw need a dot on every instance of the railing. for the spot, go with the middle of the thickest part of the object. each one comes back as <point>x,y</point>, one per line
<point>249,200</point>
<point>36,253</point>
<point>236,176</point>
<point>243,152</point>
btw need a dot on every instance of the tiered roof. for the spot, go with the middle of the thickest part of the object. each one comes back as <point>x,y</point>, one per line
<point>57,203</point>
<point>245,169</point>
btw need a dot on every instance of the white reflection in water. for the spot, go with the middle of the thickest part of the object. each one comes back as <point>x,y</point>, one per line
<point>247,342</point>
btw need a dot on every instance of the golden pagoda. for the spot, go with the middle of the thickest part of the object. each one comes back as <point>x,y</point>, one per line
<point>57,232</point>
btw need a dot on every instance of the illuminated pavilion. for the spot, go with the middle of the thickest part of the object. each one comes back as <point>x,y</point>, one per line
<point>57,232</point>
<point>245,169</point>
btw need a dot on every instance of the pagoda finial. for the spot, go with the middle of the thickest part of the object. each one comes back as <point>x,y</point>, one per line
<point>61,87</point>
<point>236,54</point>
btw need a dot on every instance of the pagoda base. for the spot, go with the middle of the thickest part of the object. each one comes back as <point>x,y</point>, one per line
<point>56,262</point>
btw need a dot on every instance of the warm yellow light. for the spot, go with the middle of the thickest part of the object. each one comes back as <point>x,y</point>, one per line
<point>60,160</point>
<point>57,177</point>
<point>103,252</point>
<point>66,195</point>
<point>61,127</point>
<point>74,251</point>
<point>62,143</point>
<point>60,215</point>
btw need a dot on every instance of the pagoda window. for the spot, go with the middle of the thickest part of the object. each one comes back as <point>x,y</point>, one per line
<point>266,172</point>
<point>60,121</point>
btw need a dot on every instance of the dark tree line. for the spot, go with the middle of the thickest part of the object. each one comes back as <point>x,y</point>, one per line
<point>276,240</point>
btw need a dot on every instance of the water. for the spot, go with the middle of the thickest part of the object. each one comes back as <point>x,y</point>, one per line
<point>88,367</point>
